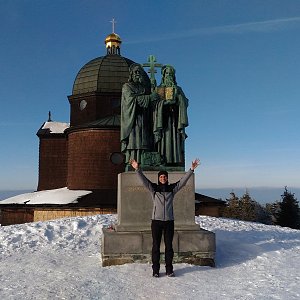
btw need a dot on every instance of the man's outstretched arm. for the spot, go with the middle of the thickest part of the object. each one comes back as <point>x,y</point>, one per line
<point>195,164</point>
<point>146,182</point>
<point>134,163</point>
<point>182,182</point>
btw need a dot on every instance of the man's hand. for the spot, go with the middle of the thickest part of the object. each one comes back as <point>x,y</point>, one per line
<point>134,163</point>
<point>195,164</point>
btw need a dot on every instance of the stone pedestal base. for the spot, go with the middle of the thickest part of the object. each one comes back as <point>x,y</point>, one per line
<point>193,246</point>
<point>131,241</point>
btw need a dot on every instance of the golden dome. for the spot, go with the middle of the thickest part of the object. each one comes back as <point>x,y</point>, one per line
<point>113,38</point>
<point>113,42</point>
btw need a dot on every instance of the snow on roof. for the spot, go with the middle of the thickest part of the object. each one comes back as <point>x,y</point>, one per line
<point>57,196</point>
<point>56,127</point>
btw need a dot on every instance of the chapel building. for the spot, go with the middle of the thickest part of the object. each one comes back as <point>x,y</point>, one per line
<point>81,159</point>
<point>85,153</point>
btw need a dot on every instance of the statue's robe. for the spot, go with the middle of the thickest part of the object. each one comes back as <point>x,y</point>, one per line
<point>136,121</point>
<point>170,120</point>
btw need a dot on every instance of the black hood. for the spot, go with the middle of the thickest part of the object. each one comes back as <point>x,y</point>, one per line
<point>162,173</point>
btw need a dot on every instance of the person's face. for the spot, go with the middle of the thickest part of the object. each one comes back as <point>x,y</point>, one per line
<point>163,179</point>
<point>136,74</point>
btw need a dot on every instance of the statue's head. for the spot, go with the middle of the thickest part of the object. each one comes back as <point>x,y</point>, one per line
<point>138,75</point>
<point>168,75</point>
<point>135,73</point>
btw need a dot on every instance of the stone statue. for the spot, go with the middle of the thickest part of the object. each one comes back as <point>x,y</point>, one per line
<point>136,114</point>
<point>170,119</point>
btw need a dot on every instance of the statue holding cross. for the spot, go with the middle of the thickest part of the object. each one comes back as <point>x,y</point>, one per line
<point>163,129</point>
<point>152,65</point>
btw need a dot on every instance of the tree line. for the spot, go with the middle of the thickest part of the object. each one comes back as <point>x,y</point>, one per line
<point>284,212</point>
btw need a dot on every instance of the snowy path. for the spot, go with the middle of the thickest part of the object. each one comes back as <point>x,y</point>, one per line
<point>60,260</point>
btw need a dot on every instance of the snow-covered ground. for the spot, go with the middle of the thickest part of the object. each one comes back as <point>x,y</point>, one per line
<point>61,260</point>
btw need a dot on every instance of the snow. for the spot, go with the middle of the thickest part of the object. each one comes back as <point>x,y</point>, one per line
<point>61,260</point>
<point>56,127</point>
<point>57,196</point>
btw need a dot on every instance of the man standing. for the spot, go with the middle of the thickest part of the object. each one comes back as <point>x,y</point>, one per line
<point>136,114</point>
<point>162,214</point>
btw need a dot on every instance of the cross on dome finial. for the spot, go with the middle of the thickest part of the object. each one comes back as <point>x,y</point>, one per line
<point>113,21</point>
<point>113,41</point>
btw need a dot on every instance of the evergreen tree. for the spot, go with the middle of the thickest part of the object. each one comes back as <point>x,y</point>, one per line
<point>273,210</point>
<point>262,215</point>
<point>248,208</point>
<point>289,215</point>
<point>233,208</point>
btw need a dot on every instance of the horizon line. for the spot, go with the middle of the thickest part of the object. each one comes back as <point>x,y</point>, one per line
<point>196,187</point>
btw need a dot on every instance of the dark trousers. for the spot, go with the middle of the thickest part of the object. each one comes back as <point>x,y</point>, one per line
<point>158,228</point>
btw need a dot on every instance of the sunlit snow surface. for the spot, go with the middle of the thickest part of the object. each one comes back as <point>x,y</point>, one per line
<point>61,260</point>
<point>56,127</point>
<point>56,196</point>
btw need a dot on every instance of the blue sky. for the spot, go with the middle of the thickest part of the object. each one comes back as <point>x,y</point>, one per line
<point>237,61</point>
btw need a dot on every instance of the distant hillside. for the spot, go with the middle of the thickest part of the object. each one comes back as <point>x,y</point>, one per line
<point>260,194</point>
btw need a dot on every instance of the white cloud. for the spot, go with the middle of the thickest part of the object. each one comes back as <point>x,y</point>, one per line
<point>260,26</point>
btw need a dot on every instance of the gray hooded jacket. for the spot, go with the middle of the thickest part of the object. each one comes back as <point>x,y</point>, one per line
<point>163,197</point>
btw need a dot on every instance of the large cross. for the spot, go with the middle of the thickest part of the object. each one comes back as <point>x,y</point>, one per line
<point>113,24</point>
<point>152,65</point>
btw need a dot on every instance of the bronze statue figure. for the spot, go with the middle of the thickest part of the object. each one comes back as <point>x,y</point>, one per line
<point>153,123</point>
<point>136,114</point>
<point>170,119</point>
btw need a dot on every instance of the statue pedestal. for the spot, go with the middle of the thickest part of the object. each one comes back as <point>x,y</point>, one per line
<point>131,240</point>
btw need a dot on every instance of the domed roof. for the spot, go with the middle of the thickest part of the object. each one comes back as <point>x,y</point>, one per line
<point>103,74</point>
